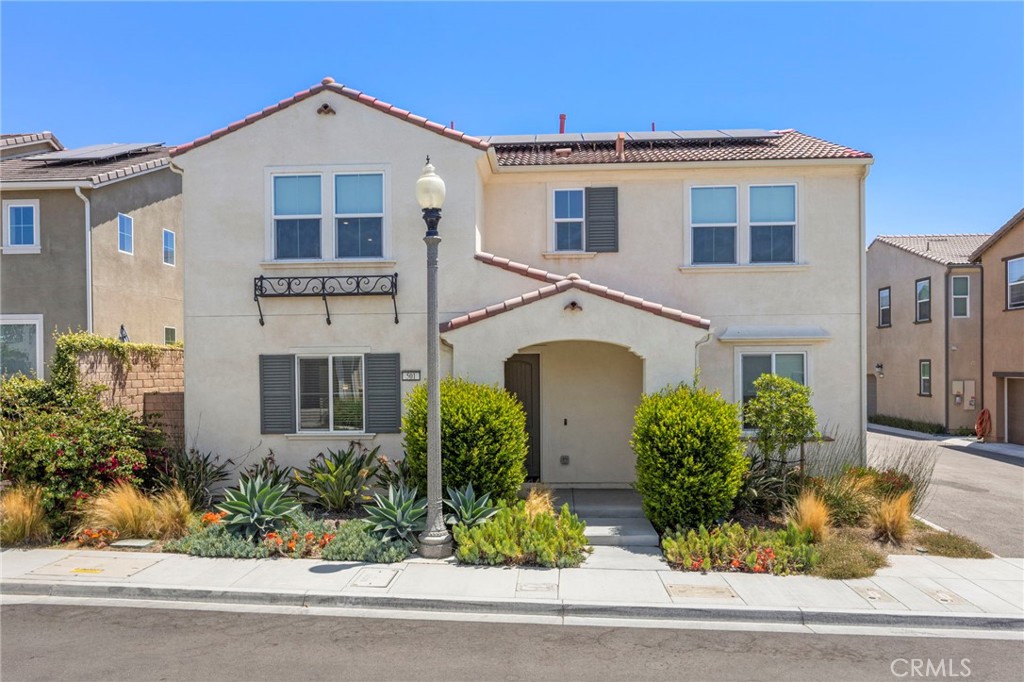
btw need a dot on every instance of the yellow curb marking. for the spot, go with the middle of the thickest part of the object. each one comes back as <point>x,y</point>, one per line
<point>86,570</point>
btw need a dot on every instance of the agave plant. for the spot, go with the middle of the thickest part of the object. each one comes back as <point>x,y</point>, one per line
<point>340,478</point>
<point>256,508</point>
<point>467,508</point>
<point>399,516</point>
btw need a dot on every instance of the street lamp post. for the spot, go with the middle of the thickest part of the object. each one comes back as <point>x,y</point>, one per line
<point>435,541</point>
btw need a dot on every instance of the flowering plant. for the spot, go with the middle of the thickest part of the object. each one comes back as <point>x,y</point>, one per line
<point>96,537</point>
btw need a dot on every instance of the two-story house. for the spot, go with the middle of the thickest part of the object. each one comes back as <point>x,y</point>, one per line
<point>577,270</point>
<point>1001,258</point>
<point>924,329</point>
<point>91,241</point>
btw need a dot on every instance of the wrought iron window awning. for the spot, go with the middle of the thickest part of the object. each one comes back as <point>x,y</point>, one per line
<point>324,286</point>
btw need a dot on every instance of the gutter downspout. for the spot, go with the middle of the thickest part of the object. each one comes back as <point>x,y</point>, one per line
<point>863,320</point>
<point>88,257</point>
<point>696,354</point>
<point>947,294</point>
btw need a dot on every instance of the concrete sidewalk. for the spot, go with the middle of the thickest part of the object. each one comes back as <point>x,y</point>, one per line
<point>615,582</point>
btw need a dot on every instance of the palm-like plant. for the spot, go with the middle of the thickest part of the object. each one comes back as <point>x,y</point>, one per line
<point>339,478</point>
<point>400,515</point>
<point>256,508</point>
<point>467,508</point>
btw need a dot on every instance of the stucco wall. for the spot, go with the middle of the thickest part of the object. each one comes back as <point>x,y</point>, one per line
<point>50,283</point>
<point>138,290</point>
<point>964,351</point>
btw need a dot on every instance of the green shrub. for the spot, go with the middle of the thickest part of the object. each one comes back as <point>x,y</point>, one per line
<point>340,478</point>
<point>354,541</point>
<point>399,516</point>
<point>69,443</point>
<point>782,414</point>
<point>689,459</point>
<point>483,438</point>
<point>952,545</point>
<point>515,537</point>
<point>848,496</point>
<point>768,491</point>
<point>257,508</point>
<point>393,473</point>
<point>217,541</point>
<point>908,424</point>
<point>731,547</point>
<point>197,474</point>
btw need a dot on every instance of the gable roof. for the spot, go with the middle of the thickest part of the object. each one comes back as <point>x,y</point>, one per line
<point>21,169</point>
<point>12,140</point>
<point>948,249</point>
<point>667,147</point>
<point>556,285</point>
<point>329,84</point>
<point>997,235</point>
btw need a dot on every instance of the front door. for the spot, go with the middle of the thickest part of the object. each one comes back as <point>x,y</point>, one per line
<point>522,379</point>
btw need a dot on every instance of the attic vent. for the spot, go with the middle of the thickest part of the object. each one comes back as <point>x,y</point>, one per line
<point>325,109</point>
<point>563,152</point>
<point>928,245</point>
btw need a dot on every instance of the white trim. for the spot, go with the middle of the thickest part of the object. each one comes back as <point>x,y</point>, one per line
<point>688,213</point>
<point>568,255</point>
<point>319,264</point>
<point>131,233</point>
<point>795,224</point>
<point>954,296</point>
<point>773,350</point>
<point>918,301</point>
<point>32,319</point>
<point>880,307</point>
<point>174,248</point>
<point>1006,275</point>
<point>554,222</point>
<point>746,269</point>
<point>335,215</point>
<point>36,245</point>
<point>770,334</point>
<point>920,378</point>
<point>330,393</point>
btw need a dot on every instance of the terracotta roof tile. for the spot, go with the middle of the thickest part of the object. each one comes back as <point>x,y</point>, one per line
<point>558,284</point>
<point>942,248</point>
<point>8,140</point>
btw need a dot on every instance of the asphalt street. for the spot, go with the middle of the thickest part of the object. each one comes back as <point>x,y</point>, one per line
<point>84,643</point>
<point>973,494</point>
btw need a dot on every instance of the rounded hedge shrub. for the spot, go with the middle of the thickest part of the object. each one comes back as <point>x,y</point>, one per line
<point>689,458</point>
<point>483,438</point>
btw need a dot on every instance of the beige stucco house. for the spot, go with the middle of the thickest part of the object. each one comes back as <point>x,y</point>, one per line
<point>577,270</point>
<point>1001,258</point>
<point>924,329</point>
<point>91,241</point>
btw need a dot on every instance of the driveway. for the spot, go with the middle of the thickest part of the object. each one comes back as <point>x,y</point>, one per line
<point>972,493</point>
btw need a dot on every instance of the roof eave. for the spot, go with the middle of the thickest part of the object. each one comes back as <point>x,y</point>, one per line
<point>673,165</point>
<point>997,235</point>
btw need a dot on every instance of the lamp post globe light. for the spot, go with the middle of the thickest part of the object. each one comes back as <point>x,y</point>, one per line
<point>435,541</point>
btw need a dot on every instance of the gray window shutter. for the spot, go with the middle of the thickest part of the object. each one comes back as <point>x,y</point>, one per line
<point>277,394</point>
<point>602,219</point>
<point>383,393</point>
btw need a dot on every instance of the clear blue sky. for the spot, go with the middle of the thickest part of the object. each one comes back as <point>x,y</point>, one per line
<point>934,91</point>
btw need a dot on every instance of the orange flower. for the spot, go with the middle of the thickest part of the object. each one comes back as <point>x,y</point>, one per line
<point>291,545</point>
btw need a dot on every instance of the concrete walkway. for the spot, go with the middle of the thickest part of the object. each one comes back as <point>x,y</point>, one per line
<point>614,517</point>
<point>914,591</point>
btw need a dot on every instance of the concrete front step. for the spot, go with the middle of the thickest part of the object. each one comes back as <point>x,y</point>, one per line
<point>621,531</point>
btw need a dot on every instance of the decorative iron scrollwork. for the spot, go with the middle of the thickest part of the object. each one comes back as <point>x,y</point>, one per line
<point>322,286</point>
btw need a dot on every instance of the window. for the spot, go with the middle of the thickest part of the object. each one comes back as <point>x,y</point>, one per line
<point>884,309</point>
<point>923,312</point>
<point>168,247</point>
<point>713,221</point>
<point>297,211</point>
<point>773,224</point>
<point>330,393</point>
<point>359,215</point>
<point>21,344</point>
<point>170,335</point>
<point>753,365</point>
<point>1015,283</point>
<point>125,233</point>
<point>21,226</point>
<point>924,374</point>
<point>961,296</point>
<point>569,220</point>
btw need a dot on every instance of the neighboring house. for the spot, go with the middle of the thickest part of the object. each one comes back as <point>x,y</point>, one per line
<point>91,240</point>
<point>1002,262</point>
<point>577,270</point>
<point>924,328</point>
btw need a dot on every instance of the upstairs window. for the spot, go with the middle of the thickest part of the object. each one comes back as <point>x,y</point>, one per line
<point>961,296</point>
<point>21,226</point>
<point>713,221</point>
<point>923,293</point>
<point>359,215</point>
<point>297,211</point>
<point>169,254</point>
<point>125,233</point>
<point>569,220</point>
<point>884,309</point>
<point>1015,283</point>
<point>773,224</point>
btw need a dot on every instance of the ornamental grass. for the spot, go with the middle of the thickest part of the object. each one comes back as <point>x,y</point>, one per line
<point>891,519</point>
<point>811,515</point>
<point>22,517</point>
<point>128,512</point>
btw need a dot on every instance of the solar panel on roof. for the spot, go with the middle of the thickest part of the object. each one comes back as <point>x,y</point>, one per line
<point>653,135</point>
<point>750,133</point>
<point>512,139</point>
<point>96,152</point>
<point>564,137</point>
<point>600,137</point>
<point>701,134</point>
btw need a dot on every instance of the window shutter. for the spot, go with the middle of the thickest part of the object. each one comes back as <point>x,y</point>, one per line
<point>602,219</point>
<point>277,394</point>
<point>383,393</point>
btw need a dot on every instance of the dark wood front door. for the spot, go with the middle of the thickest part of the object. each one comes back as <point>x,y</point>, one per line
<point>522,379</point>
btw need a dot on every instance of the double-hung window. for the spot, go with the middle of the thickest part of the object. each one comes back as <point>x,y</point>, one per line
<point>297,211</point>
<point>884,307</point>
<point>169,254</point>
<point>170,335</point>
<point>924,377</point>
<point>125,233</point>
<point>569,220</point>
<point>21,344</point>
<point>1015,283</point>
<point>359,215</point>
<point>923,300</point>
<point>754,365</point>
<point>961,296</point>
<point>21,226</point>
<point>713,223</point>
<point>330,393</point>
<point>773,224</point>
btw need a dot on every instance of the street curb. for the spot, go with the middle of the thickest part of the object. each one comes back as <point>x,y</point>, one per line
<point>537,607</point>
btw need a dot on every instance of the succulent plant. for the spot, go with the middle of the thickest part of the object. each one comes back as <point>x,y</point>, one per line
<point>257,507</point>
<point>399,516</point>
